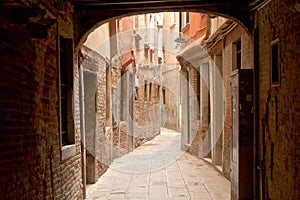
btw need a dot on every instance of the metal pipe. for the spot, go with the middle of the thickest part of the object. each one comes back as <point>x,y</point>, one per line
<point>188,108</point>
<point>82,125</point>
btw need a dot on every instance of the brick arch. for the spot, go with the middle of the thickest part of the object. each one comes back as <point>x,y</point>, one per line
<point>88,18</point>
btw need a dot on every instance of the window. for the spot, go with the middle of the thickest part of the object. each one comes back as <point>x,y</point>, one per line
<point>66,91</point>
<point>275,70</point>
<point>151,55</point>
<point>136,94</point>
<point>146,50</point>
<point>123,96</point>
<point>160,19</point>
<point>115,99</point>
<point>130,91</point>
<point>145,90</point>
<point>158,92</point>
<point>150,92</point>
<point>219,62</point>
<point>186,19</point>
<point>172,18</point>
<point>236,55</point>
<point>164,95</point>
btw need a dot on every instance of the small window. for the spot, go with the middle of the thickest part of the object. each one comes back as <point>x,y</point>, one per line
<point>145,91</point>
<point>151,55</point>
<point>275,70</point>
<point>172,18</point>
<point>146,50</point>
<point>158,92</point>
<point>136,94</point>
<point>219,62</point>
<point>123,96</point>
<point>186,19</point>
<point>164,95</point>
<point>66,91</point>
<point>150,92</point>
<point>236,55</point>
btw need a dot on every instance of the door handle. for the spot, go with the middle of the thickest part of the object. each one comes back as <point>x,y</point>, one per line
<point>258,167</point>
<point>261,165</point>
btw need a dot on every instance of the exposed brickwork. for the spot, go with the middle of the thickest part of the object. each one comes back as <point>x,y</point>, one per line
<point>279,106</point>
<point>102,150</point>
<point>227,121</point>
<point>118,133</point>
<point>195,132</point>
<point>224,46</point>
<point>146,110</point>
<point>31,165</point>
<point>93,63</point>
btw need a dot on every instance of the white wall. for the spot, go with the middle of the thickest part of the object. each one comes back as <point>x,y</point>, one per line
<point>98,40</point>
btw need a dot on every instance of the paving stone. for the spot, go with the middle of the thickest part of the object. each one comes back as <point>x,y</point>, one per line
<point>186,177</point>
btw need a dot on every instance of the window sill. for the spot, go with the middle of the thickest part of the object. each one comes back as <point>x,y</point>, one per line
<point>275,85</point>
<point>68,151</point>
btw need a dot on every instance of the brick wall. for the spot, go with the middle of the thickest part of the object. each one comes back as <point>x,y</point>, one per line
<point>200,143</point>
<point>196,130</point>
<point>97,145</point>
<point>109,88</point>
<point>224,47</point>
<point>193,107</point>
<point>227,121</point>
<point>101,149</point>
<point>145,127</point>
<point>279,105</point>
<point>31,165</point>
<point>146,109</point>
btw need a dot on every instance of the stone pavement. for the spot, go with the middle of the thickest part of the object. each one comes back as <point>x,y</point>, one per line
<point>159,170</point>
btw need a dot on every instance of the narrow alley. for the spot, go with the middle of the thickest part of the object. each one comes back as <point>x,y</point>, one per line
<point>163,172</point>
<point>165,99</point>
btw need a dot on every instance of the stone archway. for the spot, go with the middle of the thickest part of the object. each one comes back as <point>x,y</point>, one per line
<point>89,15</point>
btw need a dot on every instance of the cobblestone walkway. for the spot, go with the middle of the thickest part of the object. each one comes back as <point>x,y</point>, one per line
<point>159,170</point>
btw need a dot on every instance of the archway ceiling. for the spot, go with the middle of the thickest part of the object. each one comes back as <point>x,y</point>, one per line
<point>90,13</point>
<point>156,3</point>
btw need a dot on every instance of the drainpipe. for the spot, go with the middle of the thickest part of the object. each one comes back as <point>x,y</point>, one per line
<point>180,21</point>
<point>82,125</point>
<point>188,107</point>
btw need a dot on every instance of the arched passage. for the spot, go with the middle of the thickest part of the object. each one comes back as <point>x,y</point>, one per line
<point>200,56</point>
<point>30,117</point>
